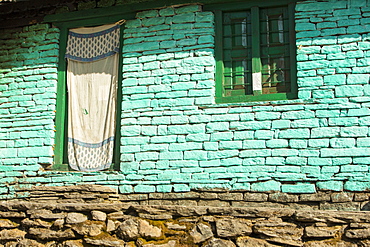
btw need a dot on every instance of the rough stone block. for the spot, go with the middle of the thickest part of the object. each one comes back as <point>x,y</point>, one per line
<point>298,188</point>
<point>325,132</point>
<point>354,131</point>
<point>343,152</point>
<point>266,186</point>
<point>294,133</point>
<point>144,188</point>
<point>330,185</point>
<point>349,91</point>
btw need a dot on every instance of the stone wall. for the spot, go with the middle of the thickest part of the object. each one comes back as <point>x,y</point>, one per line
<point>28,79</point>
<point>323,200</point>
<point>174,137</point>
<point>93,216</point>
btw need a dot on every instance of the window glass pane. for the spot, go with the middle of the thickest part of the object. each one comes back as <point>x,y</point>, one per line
<point>237,53</point>
<point>275,50</point>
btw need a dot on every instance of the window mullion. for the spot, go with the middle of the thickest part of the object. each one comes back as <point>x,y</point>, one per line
<point>292,49</point>
<point>256,55</point>
<point>219,54</point>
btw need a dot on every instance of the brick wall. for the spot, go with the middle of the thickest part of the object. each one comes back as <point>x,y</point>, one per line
<point>28,78</point>
<point>175,138</point>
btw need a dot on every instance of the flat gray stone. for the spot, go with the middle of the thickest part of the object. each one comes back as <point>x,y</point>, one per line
<point>217,242</point>
<point>105,240</point>
<point>46,234</point>
<point>358,233</point>
<point>98,215</point>
<point>279,232</point>
<point>201,232</point>
<point>74,218</point>
<point>89,228</point>
<point>12,234</point>
<point>231,227</point>
<point>147,230</point>
<point>323,231</point>
<point>171,243</point>
<point>128,230</point>
<point>253,242</point>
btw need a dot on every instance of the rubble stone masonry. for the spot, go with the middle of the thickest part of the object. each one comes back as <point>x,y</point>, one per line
<point>92,215</point>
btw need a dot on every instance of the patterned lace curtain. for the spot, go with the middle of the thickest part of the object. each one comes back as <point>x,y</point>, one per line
<point>92,75</point>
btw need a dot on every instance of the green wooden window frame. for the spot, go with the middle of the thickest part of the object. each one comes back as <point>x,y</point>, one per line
<point>60,148</point>
<point>255,52</point>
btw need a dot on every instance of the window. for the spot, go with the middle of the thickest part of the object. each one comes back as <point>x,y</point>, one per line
<point>88,105</point>
<point>255,53</point>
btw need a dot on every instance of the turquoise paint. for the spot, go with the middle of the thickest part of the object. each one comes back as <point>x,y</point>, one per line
<point>174,137</point>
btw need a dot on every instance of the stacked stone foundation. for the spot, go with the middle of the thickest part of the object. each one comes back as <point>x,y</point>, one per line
<point>98,216</point>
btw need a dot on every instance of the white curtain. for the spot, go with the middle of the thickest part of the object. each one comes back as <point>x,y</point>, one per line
<point>92,77</point>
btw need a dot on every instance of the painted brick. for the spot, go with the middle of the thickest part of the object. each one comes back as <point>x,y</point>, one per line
<point>354,131</point>
<point>187,129</point>
<point>185,146</point>
<point>284,152</point>
<point>266,186</point>
<point>310,81</point>
<point>356,186</point>
<point>298,115</point>
<point>254,144</point>
<point>344,121</point>
<point>330,169</point>
<point>342,142</point>
<point>277,143</point>
<point>231,145</point>
<point>252,125</point>
<point>323,94</point>
<point>343,152</point>
<point>359,112</point>
<point>305,26</point>
<point>363,142</point>
<point>275,161</point>
<point>35,152</point>
<point>223,136</point>
<point>265,115</point>
<point>354,168</point>
<point>280,124</point>
<point>298,143</point>
<point>349,91</point>
<point>255,153</point>
<point>141,188</point>
<point>318,143</point>
<point>181,188</point>
<point>147,156</point>
<point>294,133</point>
<point>309,153</point>
<point>298,188</point>
<point>243,135</point>
<point>228,117</point>
<point>361,160</point>
<point>220,126</point>
<point>335,79</point>
<point>211,146</point>
<point>195,155</point>
<point>325,132</point>
<point>330,185</point>
<point>305,123</point>
<point>247,116</point>
<point>264,134</point>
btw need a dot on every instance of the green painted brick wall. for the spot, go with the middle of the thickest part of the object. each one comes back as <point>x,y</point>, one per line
<point>174,136</point>
<point>28,66</point>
